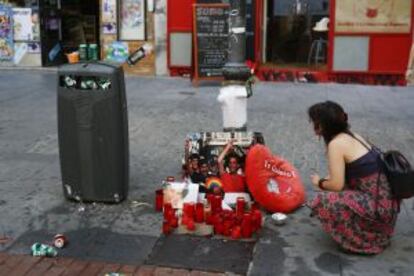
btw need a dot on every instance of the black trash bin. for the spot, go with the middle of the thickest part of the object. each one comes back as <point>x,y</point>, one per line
<point>93,132</point>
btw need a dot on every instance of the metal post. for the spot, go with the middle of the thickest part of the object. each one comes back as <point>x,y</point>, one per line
<point>235,69</point>
<point>237,86</point>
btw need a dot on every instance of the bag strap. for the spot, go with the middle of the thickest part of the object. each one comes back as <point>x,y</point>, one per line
<point>360,141</point>
<point>373,146</point>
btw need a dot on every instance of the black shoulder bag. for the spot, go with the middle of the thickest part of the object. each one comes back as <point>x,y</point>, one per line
<point>398,171</point>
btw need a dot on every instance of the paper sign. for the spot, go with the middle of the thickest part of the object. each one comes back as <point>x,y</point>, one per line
<point>178,193</point>
<point>22,18</point>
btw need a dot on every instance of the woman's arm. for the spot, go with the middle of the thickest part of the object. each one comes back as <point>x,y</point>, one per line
<point>336,166</point>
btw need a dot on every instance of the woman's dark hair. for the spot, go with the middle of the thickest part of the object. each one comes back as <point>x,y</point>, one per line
<point>330,118</point>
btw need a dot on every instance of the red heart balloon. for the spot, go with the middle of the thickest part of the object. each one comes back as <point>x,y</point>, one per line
<point>273,182</point>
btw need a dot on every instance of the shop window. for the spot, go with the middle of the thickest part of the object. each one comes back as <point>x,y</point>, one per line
<point>292,38</point>
<point>23,43</point>
<point>351,53</point>
<point>180,49</point>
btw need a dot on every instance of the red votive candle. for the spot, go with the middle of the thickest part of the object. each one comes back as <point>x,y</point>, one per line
<point>184,220</point>
<point>213,205</point>
<point>189,210</point>
<point>167,210</point>
<point>190,225</point>
<point>217,203</point>
<point>171,215</point>
<point>236,233</point>
<point>218,225</point>
<point>209,218</point>
<point>257,220</point>
<point>246,227</point>
<point>254,206</point>
<point>159,200</point>
<point>166,227</point>
<point>185,209</point>
<point>227,226</point>
<point>240,204</point>
<point>199,212</point>
<point>174,221</point>
<point>238,220</point>
<point>210,198</point>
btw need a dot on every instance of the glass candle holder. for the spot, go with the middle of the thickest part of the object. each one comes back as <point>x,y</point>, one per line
<point>247,227</point>
<point>217,204</point>
<point>166,230</point>
<point>199,212</point>
<point>218,225</point>
<point>236,233</point>
<point>174,221</point>
<point>256,220</point>
<point>167,210</point>
<point>240,205</point>
<point>190,224</point>
<point>159,200</point>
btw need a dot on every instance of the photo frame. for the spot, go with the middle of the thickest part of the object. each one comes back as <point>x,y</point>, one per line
<point>109,16</point>
<point>132,20</point>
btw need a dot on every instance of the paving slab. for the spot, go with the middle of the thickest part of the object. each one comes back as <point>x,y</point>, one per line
<point>202,253</point>
<point>92,244</point>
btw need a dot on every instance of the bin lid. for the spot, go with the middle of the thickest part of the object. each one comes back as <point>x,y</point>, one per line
<point>90,69</point>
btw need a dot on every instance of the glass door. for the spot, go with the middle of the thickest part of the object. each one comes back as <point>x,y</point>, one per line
<point>293,38</point>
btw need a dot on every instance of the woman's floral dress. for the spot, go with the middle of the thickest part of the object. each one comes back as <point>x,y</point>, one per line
<point>361,218</point>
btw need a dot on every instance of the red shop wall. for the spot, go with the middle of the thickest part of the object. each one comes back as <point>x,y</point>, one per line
<point>180,15</point>
<point>389,53</point>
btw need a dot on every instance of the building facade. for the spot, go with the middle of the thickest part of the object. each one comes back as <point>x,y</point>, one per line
<point>45,32</point>
<point>362,41</point>
<point>354,41</point>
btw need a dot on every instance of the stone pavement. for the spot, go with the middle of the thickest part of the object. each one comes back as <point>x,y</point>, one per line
<point>161,112</point>
<point>17,265</point>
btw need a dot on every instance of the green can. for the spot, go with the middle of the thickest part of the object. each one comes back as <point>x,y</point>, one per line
<point>93,52</point>
<point>83,52</point>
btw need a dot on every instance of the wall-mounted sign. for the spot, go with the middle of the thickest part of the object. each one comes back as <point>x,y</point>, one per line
<point>373,16</point>
<point>22,18</point>
<point>132,20</point>
<point>116,51</point>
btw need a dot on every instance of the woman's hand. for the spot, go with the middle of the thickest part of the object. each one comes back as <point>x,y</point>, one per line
<point>315,180</point>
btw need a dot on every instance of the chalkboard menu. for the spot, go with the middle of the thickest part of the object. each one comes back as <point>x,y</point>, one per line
<point>211,39</point>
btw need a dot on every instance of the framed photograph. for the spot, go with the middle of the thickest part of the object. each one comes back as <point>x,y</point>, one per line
<point>132,20</point>
<point>109,15</point>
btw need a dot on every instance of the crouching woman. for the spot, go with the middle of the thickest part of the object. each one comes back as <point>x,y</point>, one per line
<point>354,205</point>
